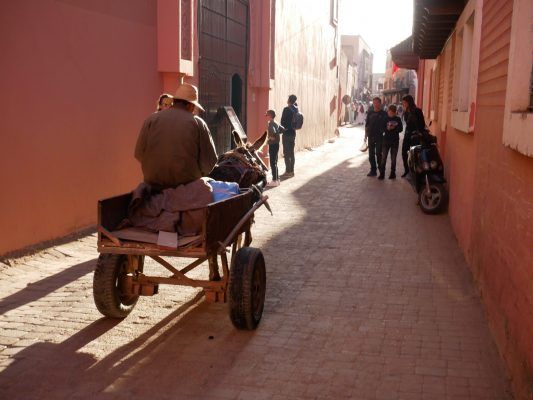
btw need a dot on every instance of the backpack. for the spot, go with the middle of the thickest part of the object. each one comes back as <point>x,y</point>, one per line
<point>297,119</point>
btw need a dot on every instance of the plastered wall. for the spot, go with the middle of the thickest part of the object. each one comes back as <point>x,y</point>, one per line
<point>306,65</point>
<point>79,77</point>
<point>77,80</point>
<point>502,222</point>
<point>491,199</point>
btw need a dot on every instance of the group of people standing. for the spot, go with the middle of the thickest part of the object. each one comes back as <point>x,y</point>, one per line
<point>382,130</point>
<point>287,131</point>
<point>283,132</point>
<point>355,112</point>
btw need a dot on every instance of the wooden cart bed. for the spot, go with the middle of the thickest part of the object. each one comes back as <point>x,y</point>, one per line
<point>219,220</point>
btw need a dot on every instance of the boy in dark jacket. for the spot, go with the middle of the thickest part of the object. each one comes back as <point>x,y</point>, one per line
<point>273,130</point>
<point>391,141</point>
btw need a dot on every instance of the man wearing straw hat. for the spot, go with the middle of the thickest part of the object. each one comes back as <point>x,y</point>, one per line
<point>174,146</point>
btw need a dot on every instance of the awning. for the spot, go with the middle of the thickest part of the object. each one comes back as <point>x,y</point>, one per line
<point>403,55</point>
<point>433,22</point>
<point>393,91</point>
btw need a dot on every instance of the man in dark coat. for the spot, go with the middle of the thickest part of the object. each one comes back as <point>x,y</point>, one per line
<point>374,128</point>
<point>174,146</point>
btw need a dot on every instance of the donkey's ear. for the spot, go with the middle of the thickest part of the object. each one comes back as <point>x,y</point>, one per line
<point>237,139</point>
<point>260,142</point>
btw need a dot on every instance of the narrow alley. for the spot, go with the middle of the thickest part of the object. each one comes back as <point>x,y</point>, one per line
<point>367,298</point>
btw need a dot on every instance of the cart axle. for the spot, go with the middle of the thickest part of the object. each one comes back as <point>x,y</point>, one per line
<point>132,287</point>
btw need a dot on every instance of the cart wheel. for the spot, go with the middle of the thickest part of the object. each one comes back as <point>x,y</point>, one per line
<point>247,286</point>
<point>107,281</point>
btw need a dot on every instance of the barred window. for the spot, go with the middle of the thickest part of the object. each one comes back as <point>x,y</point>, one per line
<point>518,121</point>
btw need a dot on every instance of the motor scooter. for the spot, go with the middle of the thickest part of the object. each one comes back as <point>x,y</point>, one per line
<point>426,172</point>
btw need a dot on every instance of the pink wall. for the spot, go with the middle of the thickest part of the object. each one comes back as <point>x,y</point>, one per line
<point>80,76</point>
<point>174,64</point>
<point>491,208</point>
<point>78,79</point>
<point>457,148</point>
<point>459,164</point>
<point>502,222</point>
<point>502,245</point>
<point>259,67</point>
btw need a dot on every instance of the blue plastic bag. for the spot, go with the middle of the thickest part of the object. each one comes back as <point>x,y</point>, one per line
<point>223,190</point>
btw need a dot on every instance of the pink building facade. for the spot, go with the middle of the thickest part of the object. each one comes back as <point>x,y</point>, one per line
<point>475,86</point>
<point>79,77</point>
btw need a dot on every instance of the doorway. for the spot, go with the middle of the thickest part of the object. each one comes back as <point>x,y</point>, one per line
<point>223,26</point>
<point>236,95</point>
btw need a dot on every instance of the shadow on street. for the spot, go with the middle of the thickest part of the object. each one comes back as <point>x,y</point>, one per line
<point>364,294</point>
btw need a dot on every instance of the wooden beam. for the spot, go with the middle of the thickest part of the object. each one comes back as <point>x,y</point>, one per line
<point>449,7</point>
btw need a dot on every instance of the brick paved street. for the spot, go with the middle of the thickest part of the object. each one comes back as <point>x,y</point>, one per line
<point>367,299</point>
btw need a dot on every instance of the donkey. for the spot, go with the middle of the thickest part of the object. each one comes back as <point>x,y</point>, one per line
<point>242,164</point>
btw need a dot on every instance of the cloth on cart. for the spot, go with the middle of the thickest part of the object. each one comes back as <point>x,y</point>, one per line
<point>172,210</point>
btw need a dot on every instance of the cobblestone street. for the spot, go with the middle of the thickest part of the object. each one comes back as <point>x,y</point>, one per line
<point>367,298</point>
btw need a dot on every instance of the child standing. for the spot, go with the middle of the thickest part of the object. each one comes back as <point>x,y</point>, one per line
<point>273,130</point>
<point>391,141</point>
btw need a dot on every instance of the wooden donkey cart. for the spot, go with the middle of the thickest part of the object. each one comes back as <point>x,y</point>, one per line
<point>119,279</point>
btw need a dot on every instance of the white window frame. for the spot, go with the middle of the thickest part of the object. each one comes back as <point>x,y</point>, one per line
<point>518,118</point>
<point>446,87</point>
<point>272,66</point>
<point>334,12</point>
<point>435,84</point>
<point>468,38</point>
<point>427,88</point>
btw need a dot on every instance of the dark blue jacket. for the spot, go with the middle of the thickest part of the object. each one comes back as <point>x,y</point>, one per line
<point>286,118</point>
<point>375,123</point>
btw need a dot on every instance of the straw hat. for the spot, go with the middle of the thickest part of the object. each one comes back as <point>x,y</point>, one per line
<point>188,93</point>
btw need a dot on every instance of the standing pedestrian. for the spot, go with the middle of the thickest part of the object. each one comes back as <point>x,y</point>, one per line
<point>289,136</point>
<point>346,101</point>
<point>374,128</point>
<point>414,122</point>
<point>164,102</point>
<point>361,114</point>
<point>273,130</point>
<point>391,141</point>
<point>351,112</point>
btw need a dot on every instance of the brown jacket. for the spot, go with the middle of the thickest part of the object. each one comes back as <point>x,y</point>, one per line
<point>174,148</point>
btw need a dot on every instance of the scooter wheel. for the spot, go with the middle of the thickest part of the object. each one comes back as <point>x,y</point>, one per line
<point>434,201</point>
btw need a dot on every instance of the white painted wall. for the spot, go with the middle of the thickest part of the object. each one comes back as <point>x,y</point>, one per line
<point>307,58</point>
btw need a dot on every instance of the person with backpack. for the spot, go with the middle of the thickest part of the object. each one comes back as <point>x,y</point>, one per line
<point>292,120</point>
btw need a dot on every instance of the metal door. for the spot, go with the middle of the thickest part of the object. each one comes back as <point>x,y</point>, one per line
<point>223,28</point>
